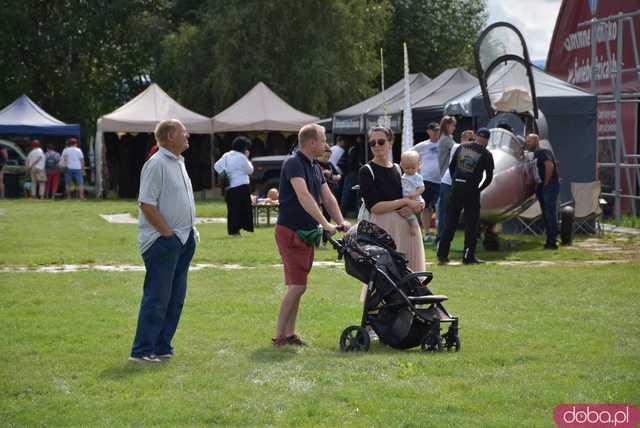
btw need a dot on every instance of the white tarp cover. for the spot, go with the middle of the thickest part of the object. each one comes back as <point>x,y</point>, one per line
<point>261,109</point>
<point>151,106</point>
<point>142,114</point>
<point>547,88</point>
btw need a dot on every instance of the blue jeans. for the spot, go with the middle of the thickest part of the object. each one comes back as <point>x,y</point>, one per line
<point>441,207</point>
<point>165,286</point>
<point>548,198</point>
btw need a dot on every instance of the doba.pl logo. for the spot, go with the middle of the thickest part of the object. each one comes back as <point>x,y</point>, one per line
<point>596,415</point>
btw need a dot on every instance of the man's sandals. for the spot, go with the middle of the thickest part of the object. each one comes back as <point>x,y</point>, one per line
<point>293,340</point>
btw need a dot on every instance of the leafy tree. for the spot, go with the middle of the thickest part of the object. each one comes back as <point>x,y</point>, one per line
<point>440,34</point>
<point>317,54</point>
<point>78,59</point>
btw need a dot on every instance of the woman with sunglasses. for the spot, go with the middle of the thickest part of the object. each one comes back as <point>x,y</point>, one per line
<point>382,194</point>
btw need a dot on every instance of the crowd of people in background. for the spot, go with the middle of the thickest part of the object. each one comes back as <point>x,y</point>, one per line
<point>45,170</point>
<point>428,175</point>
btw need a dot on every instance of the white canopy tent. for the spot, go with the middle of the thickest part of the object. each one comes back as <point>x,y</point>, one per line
<point>260,109</point>
<point>142,114</point>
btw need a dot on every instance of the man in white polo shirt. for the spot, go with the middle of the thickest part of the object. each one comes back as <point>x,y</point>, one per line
<point>167,243</point>
<point>430,172</point>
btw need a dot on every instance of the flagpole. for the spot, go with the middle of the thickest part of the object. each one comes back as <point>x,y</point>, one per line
<point>407,117</point>
<point>384,102</point>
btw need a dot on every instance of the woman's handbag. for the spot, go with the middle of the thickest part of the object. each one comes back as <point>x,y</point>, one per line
<point>363,212</point>
<point>223,178</point>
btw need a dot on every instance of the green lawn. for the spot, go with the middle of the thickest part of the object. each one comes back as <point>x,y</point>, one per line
<point>532,337</point>
<point>625,221</point>
<point>45,232</point>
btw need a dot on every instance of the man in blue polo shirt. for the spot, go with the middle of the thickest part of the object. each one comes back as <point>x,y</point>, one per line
<point>302,190</point>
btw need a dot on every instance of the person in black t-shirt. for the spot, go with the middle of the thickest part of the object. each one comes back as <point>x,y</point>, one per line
<point>547,190</point>
<point>381,189</point>
<point>468,164</point>
<point>303,189</point>
<point>355,157</point>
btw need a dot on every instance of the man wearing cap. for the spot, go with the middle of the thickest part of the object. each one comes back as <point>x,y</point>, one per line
<point>430,171</point>
<point>73,160</point>
<point>468,164</point>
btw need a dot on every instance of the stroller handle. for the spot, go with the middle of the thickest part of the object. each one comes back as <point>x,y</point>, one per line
<point>427,275</point>
<point>336,244</point>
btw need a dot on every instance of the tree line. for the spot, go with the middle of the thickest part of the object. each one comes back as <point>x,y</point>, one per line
<point>80,59</point>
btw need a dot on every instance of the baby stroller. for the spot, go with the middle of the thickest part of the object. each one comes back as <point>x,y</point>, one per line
<point>398,305</point>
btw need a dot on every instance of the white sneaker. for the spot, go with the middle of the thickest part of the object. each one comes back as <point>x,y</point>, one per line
<point>166,356</point>
<point>373,336</point>
<point>427,238</point>
<point>146,359</point>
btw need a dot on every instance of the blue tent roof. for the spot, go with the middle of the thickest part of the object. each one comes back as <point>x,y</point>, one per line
<point>24,117</point>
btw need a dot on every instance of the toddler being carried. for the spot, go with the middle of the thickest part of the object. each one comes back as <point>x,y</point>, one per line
<point>412,185</point>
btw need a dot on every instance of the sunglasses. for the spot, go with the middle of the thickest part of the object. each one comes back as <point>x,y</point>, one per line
<point>380,142</point>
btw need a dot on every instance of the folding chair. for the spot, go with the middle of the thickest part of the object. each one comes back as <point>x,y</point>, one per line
<point>529,217</point>
<point>587,211</point>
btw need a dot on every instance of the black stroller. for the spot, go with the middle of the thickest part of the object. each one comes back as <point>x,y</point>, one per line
<point>399,306</point>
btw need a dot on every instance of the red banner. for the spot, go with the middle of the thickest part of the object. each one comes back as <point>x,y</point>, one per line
<point>570,59</point>
<point>570,51</point>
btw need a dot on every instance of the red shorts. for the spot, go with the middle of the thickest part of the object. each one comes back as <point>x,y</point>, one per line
<point>297,256</point>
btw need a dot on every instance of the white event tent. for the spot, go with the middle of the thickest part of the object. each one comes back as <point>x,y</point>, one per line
<point>142,114</point>
<point>260,109</point>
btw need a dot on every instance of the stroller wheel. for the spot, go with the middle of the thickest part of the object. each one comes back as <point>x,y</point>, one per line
<point>452,340</point>
<point>433,341</point>
<point>456,344</point>
<point>354,338</point>
<point>431,344</point>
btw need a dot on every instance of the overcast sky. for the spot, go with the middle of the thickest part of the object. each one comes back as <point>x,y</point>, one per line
<point>534,18</point>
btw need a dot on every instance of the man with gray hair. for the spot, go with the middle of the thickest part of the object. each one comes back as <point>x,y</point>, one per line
<point>166,240</point>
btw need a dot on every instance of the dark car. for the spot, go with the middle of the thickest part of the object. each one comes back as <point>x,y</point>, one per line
<point>15,169</point>
<point>266,172</point>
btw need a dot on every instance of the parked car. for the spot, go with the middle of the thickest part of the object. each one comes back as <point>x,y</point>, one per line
<point>266,172</point>
<point>15,170</point>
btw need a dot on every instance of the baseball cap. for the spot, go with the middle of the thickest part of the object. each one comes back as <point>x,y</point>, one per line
<point>483,132</point>
<point>433,126</point>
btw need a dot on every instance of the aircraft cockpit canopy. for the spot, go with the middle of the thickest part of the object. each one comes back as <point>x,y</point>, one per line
<point>504,71</point>
<point>507,142</point>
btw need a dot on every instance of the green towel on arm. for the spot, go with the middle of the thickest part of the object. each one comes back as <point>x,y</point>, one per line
<point>311,237</point>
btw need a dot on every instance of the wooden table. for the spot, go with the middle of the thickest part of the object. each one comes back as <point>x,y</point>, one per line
<point>266,210</point>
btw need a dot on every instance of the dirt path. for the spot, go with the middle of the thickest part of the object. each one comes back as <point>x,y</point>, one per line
<point>322,264</point>
<point>127,218</point>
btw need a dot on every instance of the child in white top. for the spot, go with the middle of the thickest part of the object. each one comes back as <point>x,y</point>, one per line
<point>412,185</point>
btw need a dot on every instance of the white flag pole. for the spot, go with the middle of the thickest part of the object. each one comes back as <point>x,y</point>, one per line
<point>385,119</point>
<point>407,121</point>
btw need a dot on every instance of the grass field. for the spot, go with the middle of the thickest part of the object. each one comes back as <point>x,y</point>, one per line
<point>532,337</point>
